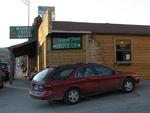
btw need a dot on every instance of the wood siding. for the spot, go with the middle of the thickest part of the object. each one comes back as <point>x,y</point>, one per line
<point>140,53</point>
<point>43,31</point>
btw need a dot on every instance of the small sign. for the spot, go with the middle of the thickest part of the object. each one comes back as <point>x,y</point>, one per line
<point>127,56</point>
<point>66,42</point>
<point>20,32</point>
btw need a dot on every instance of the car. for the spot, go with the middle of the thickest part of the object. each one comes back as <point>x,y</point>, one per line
<point>4,69</point>
<point>73,82</point>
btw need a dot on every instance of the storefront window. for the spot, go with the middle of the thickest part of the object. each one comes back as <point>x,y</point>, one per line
<point>123,51</point>
<point>66,42</point>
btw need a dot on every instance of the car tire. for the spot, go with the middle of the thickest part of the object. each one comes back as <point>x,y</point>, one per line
<point>127,85</point>
<point>72,96</point>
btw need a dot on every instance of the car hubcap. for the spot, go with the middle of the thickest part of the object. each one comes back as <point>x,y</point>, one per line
<point>73,96</point>
<point>129,85</point>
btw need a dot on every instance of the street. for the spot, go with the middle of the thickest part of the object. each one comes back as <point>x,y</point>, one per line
<point>16,100</point>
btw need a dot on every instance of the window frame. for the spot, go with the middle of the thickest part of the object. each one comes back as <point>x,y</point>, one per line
<point>60,70</point>
<point>76,74</point>
<point>115,52</point>
<point>104,67</point>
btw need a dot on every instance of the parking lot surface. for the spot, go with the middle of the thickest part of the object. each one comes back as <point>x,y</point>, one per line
<point>15,99</point>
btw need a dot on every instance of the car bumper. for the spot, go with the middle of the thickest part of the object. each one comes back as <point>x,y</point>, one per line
<point>45,95</point>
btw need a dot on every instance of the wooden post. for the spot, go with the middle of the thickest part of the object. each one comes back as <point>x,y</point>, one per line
<point>12,66</point>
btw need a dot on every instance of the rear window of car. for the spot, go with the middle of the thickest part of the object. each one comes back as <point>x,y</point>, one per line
<point>43,74</point>
<point>62,74</point>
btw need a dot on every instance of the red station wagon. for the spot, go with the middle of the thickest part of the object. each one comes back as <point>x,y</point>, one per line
<point>72,82</point>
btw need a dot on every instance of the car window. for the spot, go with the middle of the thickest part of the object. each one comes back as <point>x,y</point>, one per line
<point>103,70</point>
<point>62,74</point>
<point>43,74</point>
<point>85,72</point>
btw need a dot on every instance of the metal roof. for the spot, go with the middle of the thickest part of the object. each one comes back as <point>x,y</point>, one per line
<point>100,28</point>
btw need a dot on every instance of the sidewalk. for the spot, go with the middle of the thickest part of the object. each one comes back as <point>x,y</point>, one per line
<point>20,84</point>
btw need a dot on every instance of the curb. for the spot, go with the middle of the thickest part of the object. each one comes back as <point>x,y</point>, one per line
<point>20,88</point>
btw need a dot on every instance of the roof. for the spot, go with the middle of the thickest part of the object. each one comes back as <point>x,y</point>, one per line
<point>24,48</point>
<point>101,28</point>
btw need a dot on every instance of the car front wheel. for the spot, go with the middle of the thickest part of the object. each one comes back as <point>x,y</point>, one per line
<point>72,96</point>
<point>128,85</point>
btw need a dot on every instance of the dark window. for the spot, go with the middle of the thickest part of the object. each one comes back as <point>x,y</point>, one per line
<point>62,74</point>
<point>85,72</point>
<point>66,42</point>
<point>103,70</point>
<point>123,51</point>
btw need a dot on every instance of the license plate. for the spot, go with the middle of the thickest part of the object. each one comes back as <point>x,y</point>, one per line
<point>36,87</point>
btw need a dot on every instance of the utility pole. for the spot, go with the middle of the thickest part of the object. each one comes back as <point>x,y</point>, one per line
<point>27,3</point>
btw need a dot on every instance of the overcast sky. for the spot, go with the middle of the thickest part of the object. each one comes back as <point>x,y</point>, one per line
<point>14,13</point>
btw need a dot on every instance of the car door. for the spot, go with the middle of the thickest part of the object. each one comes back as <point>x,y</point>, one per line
<point>107,80</point>
<point>86,80</point>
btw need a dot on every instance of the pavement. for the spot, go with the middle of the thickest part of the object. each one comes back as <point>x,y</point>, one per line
<point>23,84</point>
<point>15,98</point>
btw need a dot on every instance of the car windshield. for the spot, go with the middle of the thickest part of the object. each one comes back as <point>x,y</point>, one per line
<point>43,74</point>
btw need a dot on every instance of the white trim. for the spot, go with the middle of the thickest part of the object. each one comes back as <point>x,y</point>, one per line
<point>62,31</point>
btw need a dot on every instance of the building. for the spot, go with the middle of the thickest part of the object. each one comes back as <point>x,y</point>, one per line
<point>122,47</point>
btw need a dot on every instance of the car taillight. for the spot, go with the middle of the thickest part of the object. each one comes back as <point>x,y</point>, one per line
<point>38,87</point>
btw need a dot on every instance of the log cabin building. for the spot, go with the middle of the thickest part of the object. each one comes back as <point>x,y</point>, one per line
<point>122,47</point>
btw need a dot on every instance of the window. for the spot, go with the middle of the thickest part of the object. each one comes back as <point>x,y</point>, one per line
<point>62,74</point>
<point>43,74</point>
<point>123,51</point>
<point>61,42</point>
<point>85,72</point>
<point>103,70</point>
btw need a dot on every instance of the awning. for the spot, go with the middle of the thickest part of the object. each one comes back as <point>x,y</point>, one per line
<point>26,48</point>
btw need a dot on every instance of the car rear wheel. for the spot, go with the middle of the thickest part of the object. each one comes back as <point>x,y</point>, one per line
<point>72,96</point>
<point>128,85</point>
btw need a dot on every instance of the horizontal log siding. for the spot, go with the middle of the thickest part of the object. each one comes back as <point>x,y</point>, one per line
<point>140,53</point>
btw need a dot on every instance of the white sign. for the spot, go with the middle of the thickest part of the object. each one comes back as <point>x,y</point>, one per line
<point>127,56</point>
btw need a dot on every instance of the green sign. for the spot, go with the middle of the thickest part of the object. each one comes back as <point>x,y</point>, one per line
<point>20,32</point>
<point>66,42</point>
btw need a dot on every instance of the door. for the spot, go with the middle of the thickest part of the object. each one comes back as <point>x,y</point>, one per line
<point>107,80</point>
<point>87,80</point>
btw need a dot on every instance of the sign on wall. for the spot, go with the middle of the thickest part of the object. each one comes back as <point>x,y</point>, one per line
<point>42,10</point>
<point>20,32</point>
<point>66,42</point>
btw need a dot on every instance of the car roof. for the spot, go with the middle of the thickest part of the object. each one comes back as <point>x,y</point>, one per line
<point>74,65</point>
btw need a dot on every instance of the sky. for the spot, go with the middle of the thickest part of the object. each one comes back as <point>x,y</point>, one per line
<point>15,13</point>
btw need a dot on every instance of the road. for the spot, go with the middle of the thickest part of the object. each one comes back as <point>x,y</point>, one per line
<point>16,100</point>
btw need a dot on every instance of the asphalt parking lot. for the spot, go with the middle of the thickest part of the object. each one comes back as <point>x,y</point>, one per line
<point>15,99</point>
